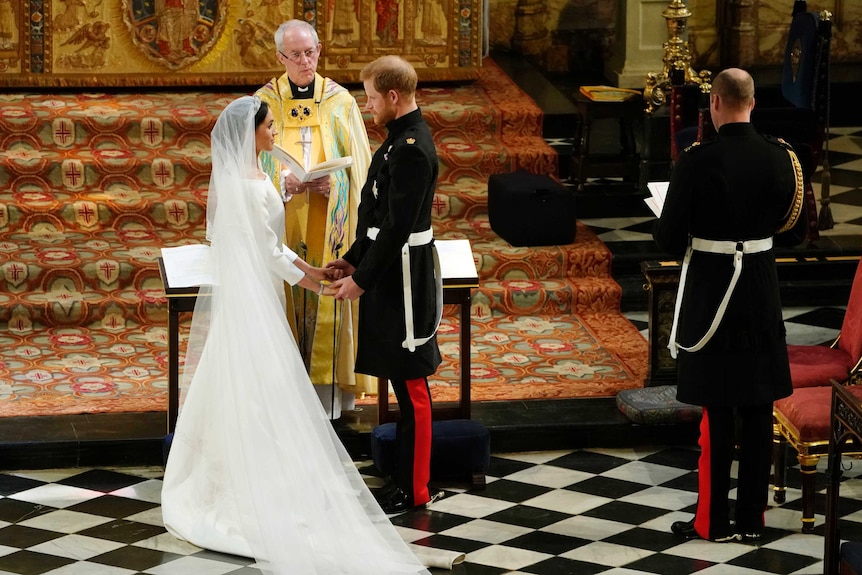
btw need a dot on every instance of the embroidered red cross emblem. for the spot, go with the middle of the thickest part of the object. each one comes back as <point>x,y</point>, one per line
<point>151,132</point>
<point>176,211</point>
<point>107,269</point>
<point>85,212</point>
<point>15,272</point>
<point>63,132</point>
<point>72,174</point>
<point>163,173</point>
<point>438,205</point>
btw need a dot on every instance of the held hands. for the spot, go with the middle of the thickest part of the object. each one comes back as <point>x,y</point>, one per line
<point>333,272</point>
<point>293,186</point>
<point>324,274</point>
<point>344,286</point>
<point>342,266</point>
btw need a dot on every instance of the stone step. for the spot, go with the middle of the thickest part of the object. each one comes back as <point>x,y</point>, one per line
<point>73,170</point>
<point>105,205</point>
<point>189,163</point>
<point>145,121</point>
<point>62,278</point>
<point>496,259</point>
<point>158,119</point>
<point>528,296</point>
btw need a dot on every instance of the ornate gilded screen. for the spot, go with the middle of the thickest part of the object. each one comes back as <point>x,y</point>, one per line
<point>57,43</point>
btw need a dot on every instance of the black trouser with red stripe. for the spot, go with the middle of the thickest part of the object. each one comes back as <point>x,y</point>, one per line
<point>717,440</point>
<point>413,438</point>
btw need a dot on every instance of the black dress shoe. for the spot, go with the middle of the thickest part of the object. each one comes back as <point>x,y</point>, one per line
<point>399,501</point>
<point>685,529</point>
<point>385,491</point>
<point>751,536</point>
<point>396,502</point>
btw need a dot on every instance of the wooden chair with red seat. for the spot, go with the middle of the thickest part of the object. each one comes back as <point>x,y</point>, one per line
<point>803,420</point>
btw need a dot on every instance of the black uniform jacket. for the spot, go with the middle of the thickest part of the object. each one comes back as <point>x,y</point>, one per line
<point>741,186</point>
<point>396,199</point>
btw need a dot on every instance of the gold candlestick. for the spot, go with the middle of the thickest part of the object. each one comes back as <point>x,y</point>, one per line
<point>676,60</point>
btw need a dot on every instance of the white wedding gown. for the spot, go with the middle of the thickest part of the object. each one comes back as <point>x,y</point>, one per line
<point>255,468</point>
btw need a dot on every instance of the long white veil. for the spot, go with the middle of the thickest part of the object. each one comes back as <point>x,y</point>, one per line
<point>255,467</point>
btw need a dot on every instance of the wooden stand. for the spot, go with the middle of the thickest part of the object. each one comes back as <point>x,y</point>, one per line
<point>846,435</point>
<point>662,281</point>
<point>625,163</point>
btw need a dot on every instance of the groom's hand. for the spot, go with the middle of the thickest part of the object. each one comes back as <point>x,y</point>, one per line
<point>347,289</point>
<point>340,268</point>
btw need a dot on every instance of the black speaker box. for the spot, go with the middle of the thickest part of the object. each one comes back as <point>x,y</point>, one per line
<point>531,209</point>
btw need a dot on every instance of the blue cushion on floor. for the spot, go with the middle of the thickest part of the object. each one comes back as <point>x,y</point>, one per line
<point>460,448</point>
<point>851,554</point>
<point>656,405</point>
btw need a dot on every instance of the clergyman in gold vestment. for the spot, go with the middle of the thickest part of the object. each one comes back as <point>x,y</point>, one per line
<point>318,120</point>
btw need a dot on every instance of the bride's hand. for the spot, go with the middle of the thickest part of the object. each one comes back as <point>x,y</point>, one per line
<point>325,274</point>
<point>327,290</point>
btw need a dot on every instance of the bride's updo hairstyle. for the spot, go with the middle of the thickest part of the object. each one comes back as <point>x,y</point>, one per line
<point>260,115</point>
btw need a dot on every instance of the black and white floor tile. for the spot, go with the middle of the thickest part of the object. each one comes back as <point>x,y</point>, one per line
<point>543,513</point>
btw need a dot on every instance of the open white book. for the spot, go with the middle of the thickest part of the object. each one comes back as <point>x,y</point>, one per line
<point>322,169</point>
<point>658,192</point>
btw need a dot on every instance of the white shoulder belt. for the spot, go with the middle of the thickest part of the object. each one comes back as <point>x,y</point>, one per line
<point>737,249</point>
<point>416,239</point>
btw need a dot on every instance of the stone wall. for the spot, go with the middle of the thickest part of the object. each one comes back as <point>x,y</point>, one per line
<point>582,34</point>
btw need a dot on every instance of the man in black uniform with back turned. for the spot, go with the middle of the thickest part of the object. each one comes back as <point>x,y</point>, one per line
<point>391,265</point>
<point>726,200</point>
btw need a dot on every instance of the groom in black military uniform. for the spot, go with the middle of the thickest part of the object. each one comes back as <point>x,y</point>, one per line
<point>391,265</point>
<point>726,200</point>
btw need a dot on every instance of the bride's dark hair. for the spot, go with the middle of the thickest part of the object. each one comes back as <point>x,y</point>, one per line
<point>260,115</point>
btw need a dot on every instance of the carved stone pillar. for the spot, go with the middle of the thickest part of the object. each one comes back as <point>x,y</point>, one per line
<point>638,48</point>
<point>531,37</point>
<point>739,46</point>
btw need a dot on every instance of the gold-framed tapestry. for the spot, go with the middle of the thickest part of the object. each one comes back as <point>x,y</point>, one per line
<point>171,43</point>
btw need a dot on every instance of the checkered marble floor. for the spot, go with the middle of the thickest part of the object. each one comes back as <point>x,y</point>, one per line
<point>555,513</point>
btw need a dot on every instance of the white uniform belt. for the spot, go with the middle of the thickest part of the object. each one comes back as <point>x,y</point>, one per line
<point>729,247</point>
<point>416,239</point>
<point>737,249</point>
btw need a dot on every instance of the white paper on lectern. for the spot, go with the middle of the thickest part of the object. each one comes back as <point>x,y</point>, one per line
<point>187,266</point>
<point>658,193</point>
<point>456,259</point>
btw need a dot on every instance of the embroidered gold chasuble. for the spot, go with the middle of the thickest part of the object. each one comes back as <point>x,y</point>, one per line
<point>321,229</point>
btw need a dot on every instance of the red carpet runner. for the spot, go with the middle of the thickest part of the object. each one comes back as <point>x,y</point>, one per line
<point>93,185</point>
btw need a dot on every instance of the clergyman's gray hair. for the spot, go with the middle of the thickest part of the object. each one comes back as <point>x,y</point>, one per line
<point>285,26</point>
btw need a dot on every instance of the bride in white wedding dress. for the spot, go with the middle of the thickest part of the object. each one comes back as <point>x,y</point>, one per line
<point>255,468</point>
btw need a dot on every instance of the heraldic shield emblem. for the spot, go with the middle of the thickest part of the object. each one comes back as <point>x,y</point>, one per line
<point>174,33</point>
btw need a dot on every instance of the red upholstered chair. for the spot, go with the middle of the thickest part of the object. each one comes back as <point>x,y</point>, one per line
<point>803,420</point>
<point>817,365</point>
